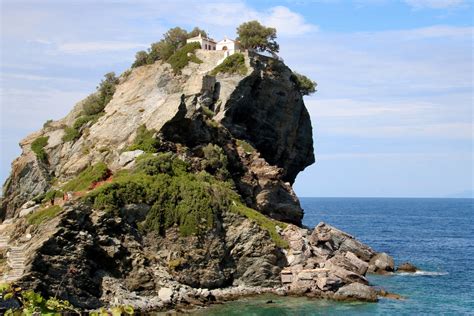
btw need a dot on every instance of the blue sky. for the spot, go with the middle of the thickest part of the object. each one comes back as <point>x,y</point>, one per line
<point>393,112</point>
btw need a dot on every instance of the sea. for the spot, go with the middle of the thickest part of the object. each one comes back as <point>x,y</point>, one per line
<point>437,235</point>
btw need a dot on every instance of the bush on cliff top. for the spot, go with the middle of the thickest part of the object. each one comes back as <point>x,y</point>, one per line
<point>234,64</point>
<point>37,146</point>
<point>305,85</point>
<point>173,39</point>
<point>88,177</point>
<point>93,107</point>
<point>180,58</point>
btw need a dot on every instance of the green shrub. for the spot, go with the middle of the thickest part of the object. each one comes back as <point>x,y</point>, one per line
<point>245,146</point>
<point>180,58</point>
<point>234,64</point>
<point>92,105</point>
<point>32,303</point>
<point>191,201</point>
<point>305,85</point>
<point>51,195</point>
<point>162,163</point>
<point>47,123</point>
<point>43,215</point>
<point>215,161</point>
<point>70,134</point>
<point>145,140</point>
<point>140,59</point>
<point>88,177</point>
<point>95,103</point>
<point>82,120</point>
<point>37,146</point>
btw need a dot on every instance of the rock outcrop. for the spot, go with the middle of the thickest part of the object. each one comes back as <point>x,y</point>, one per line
<point>229,145</point>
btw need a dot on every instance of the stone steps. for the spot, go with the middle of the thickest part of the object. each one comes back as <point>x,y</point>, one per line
<point>16,260</point>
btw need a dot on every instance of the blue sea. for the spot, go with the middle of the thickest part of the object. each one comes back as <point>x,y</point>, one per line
<point>434,234</point>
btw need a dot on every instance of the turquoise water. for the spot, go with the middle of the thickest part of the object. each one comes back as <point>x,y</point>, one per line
<point>434,234</point>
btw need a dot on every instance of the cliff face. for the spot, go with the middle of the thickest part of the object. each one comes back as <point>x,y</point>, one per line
<point>179,193</point>
<point>263,108</point>
<point>249,132</point>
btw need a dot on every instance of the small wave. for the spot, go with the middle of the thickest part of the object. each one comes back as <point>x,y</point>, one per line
<point>427,273</point>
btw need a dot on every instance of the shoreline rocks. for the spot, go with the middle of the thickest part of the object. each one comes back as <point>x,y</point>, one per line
<point>407,267</point>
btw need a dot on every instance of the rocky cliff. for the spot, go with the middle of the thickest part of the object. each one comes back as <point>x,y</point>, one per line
<point>178,192</point>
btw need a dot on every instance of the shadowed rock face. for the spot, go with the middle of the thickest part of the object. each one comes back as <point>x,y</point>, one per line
<point>268,111</point>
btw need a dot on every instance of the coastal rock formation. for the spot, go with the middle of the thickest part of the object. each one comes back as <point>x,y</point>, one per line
<point>178,192</point>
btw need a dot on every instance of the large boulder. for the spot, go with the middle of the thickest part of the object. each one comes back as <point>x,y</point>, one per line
<point>358,292</point>
<point>381,263</point>
<point>407,267</point>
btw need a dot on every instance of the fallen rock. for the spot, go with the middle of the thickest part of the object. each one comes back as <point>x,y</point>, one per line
<point>129,156</point>
<point>381,263</point>
<point>356,291</point>
<point>25,211</point>
<point>407,267</point>
<point>165,294</point>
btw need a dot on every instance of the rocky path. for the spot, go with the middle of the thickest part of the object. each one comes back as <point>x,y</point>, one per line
<point>15,260</point>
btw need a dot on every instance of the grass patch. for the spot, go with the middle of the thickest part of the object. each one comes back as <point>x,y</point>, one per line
<point>263,221</point>
<point>88,177</point>
<point>245,146</point>
<point>37,146</point>
<point>234,64</point>
<point>145,140</point>
<point>180,58</point>
<point>43,215</point>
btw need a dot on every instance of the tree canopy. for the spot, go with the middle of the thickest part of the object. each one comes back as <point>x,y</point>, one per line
<point>305,85</point>
<point>254,35</point>
<point>172,40</point>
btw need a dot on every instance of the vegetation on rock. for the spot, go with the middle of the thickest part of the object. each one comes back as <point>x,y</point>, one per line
<point>172,40</point>
<point>215,161</point>
<point>145,140</point>
<point>51,195</point>
<point>183,56</point>
<point>255,36</point>
<point>37,146</point>
<point>305,85</point>
<point>88,177</point>
<point>245,146</point>
<point>179,197</point>
<point>32,303</point>
<point>264,222</point>
<point>70,134</point>
<point>43,215</point>
<point>93,107</point>
<point>234,64</point>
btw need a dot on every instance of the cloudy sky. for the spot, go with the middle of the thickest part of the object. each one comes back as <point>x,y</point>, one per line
<point>393,112</point>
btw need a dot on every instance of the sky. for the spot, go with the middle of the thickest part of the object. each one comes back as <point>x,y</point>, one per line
<point>392,116</point>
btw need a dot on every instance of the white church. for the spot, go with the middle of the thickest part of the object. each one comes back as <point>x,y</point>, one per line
<point>228,45</point>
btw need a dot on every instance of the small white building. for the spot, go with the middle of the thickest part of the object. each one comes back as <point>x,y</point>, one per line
<point>229,45</point>
<point>206,43</point>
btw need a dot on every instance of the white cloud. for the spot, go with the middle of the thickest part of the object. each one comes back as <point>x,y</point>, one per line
<point>95,47</point>
<point>287,22</point>
<point>33,77</point>
<point>434,4</point>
